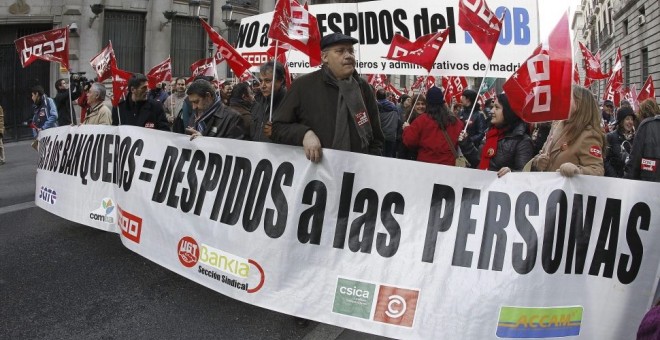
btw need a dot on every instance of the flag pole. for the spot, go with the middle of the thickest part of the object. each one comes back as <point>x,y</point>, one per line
<point>474,104</point>
<point>272,83</point>
<point>70,100</point>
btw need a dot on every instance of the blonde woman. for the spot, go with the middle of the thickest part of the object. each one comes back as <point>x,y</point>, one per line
<point>575,145</point>
<point>647,108</point>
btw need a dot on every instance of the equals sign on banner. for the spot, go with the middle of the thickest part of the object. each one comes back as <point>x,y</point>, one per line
<point>145,176</point>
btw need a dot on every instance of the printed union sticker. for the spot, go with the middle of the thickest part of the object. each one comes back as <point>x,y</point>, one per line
<point>539,322</point>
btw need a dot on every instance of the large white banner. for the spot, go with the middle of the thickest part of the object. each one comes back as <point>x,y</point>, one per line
<point>375,23</point>
<point>398,248</point>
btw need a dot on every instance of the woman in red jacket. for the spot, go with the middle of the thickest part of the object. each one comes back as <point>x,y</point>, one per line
<point>426,133</point>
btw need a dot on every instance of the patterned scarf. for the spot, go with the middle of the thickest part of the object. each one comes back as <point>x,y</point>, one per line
<point>199,123</point>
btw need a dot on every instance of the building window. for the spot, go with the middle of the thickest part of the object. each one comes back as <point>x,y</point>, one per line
<point>609,22</point>
<point>625,27</point>
<point>187,45</point>
<point>126,31</point>
<point>645,65</point>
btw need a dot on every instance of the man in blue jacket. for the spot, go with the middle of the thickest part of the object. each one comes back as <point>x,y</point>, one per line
<point>44,110</point>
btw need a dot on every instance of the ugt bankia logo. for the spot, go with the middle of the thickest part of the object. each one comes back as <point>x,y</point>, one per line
<point>539,322</point>
<point>48,195</point>
<point>105,213</point>
<point>222,266</point>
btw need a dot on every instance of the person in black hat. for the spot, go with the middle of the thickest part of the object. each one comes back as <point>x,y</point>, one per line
<point>607,113</point>
<point>476,126</point>
<point>330,108</point>
<point>435,133</point>
<point>619,143</point>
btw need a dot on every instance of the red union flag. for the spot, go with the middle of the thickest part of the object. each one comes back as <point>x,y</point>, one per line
<point>203,67</point>
<point>377,80</point>
<point>422,51</point>
<point>647,91</point>
<point>51,45</point>
<point>103,61</point>
<point>576,74</point>
<point>484,27</point>
<point>160,73</point>
<point>615,81</point>
<point>236,62</point>
<point>394,90</point>
<point>418,82</point>
<point>119,83</point>
<point>293,25</point>
<point>538,90</point>
<point>630,94</point>
<point>592,66</point>
<point>454,87</point>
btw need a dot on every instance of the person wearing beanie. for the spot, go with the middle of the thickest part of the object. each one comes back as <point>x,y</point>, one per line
<point>476,127</point>
<point>507,146</point>
<point>619,143</point>
<point>435,133</point>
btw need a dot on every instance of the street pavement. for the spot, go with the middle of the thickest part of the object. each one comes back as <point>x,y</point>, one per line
<point>63,280</point>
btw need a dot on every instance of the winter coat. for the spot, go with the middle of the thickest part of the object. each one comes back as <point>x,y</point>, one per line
<point>389,119</point>
<point>477,126</point>
<point>148,113</point>
<point>585,152</point>
<point>425,135</point>
<point>618,151</point>
<point>261,114</point>
<point>514,150</point>
<point>311,104</point>
<point>645,155</point>
<point>63,105</point>
<point>99,115</point>
<point>225,123</point>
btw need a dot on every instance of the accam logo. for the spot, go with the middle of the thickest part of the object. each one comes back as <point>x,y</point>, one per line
<point>354,298</point>
<point>232,265</point>
<point>48,195</point>
<point>131,225</point>
<point>539,322</point>
<point>188,251</point>
<point>105,213</point>
<point>396,306</point>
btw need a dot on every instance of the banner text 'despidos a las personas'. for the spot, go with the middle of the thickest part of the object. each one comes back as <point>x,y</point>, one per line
<point>398,248</point>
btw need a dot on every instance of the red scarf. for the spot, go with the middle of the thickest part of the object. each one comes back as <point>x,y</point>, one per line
<point>489,149</point>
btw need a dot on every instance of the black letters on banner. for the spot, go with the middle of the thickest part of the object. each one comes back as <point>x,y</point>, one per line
<point>284,175</point>
<point>557,202</point>
<point>525,264</point>
<point>188,196</point>
<point>233,203</point>
<point>443,196</point>
<point>640,213</point>
<point>315,214</point>
<point>364,224</point>
<point>580,233</point>
<point>466,226</point>
<point>209,181</point>
<point>392,199</point>
<point>344,207</point>
<point>605,253</point>
<point>498,203</point>
<point>256,198</point>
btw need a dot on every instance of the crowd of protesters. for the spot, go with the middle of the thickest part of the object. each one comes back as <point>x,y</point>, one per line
<point>335,108</point>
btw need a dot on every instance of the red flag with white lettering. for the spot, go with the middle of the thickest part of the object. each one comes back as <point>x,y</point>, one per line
<point>119,83</point>
<point>160,73</point>
<point>236,62</point>
<point>377,80</point>
<point>294,25</point>
<point>615,81</point>
<point>630,94</point>
<point>592,66</point>
<point>394,90</point>
<point>418,82</point>
<point>422,51</point>
<point>484,27</point>
<point>51,45</point>
<point>576,75</point>
<point>648,90</point>
<point>203,67</point>
<point>454,87</point>
<point>537,91</point>
<point>103,61</point>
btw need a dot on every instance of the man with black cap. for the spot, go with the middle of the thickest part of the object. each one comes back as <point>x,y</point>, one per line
<point>608,115</point>
<point>476,127</point>
<point>330,108</point>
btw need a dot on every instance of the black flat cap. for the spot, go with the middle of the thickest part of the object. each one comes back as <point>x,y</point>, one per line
<point>336,38</point>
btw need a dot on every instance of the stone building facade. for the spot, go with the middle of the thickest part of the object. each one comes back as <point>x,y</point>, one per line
<point>632,25</point>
